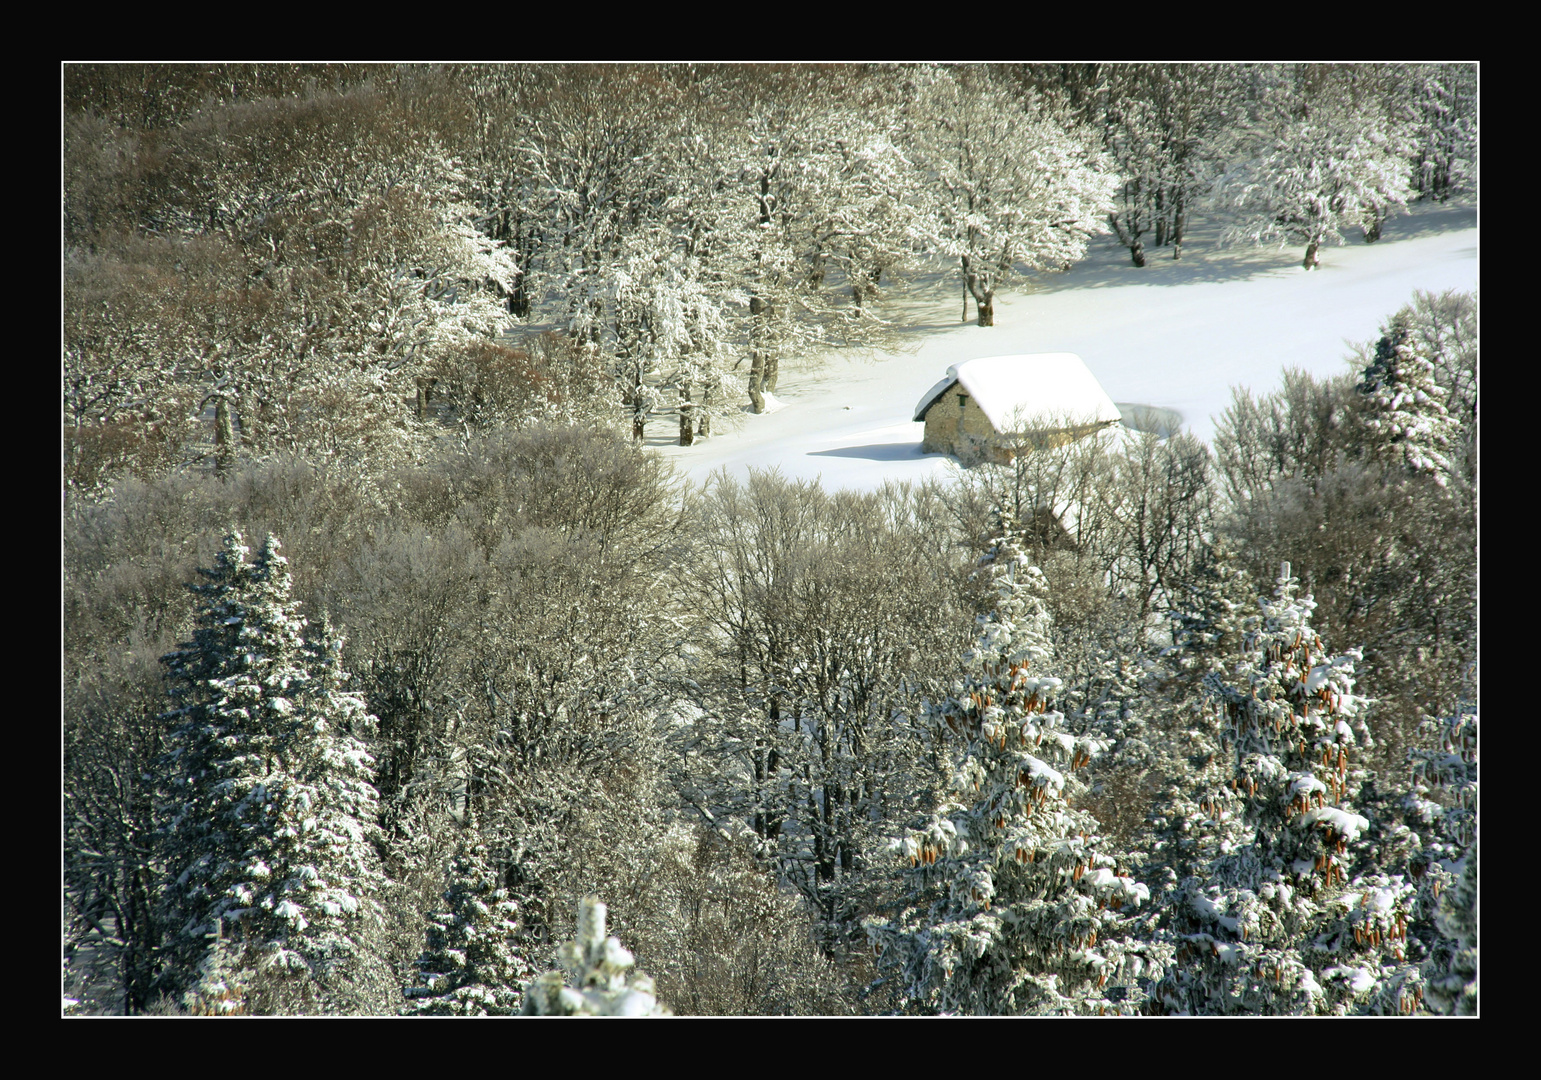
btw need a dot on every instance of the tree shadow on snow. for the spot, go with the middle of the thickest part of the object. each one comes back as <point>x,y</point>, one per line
<point>875,452</point>
<point>1205,260</point>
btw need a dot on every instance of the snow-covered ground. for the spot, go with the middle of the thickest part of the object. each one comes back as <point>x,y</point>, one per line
<point>1173,336</point>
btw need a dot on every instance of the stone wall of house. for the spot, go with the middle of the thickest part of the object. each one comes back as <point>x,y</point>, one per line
<point>966,432</point>
<point>948,426</point>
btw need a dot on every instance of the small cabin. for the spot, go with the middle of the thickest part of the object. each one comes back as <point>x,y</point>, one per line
<point>990,407</point>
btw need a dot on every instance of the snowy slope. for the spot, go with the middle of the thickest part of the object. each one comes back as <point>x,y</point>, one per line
<point>1175,336</point>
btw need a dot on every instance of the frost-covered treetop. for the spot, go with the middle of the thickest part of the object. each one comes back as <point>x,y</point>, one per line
<point>600,967</point>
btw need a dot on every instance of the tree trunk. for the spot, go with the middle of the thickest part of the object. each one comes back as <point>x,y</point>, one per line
<point>772,370</point>
<point>965,301</point>
<point>986,309</point>
<point>224,436</point>
<point>864,284</point>
<point>1179,223</point>
<point>1372,230</point>
<point>1129,237</point>
<point>705,428</point>
<point>757,382</point>
<point>687,429</point>
<point>1311,262</point>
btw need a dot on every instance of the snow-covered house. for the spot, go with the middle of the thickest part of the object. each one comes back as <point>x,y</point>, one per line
<point>991,406</point>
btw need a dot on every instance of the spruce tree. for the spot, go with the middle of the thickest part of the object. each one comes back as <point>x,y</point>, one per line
<point>221,988</point>
<point>1404,407</point>
<point>599,980</point>
<point>1017,905</point>
<point>268,809</point>
<point>472,965</point>
<point>1286,910</point>
<point>1186,821</point>
<point>1452,985</point>
<point>1440,822</point>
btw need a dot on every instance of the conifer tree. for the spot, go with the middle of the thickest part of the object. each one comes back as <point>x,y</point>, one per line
<point>472,965</point>
<point>268,807</point>
<point>1404,411</point>
<point>1206,627</point>
<point>221,987</point>
<point>1017,904</point>
<point>1274,919</point>
<point>599,970</point>
<point>1454,990</point>
<point>1439,830</point>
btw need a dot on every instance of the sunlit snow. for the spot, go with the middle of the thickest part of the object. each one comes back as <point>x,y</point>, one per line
<point>1171,335</point>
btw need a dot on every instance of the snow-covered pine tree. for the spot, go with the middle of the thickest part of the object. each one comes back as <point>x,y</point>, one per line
<point>1017,906</point>
<point>1273,922</point>
<point>268,803</point>
<point>1404,411</point>
<point>472,965</point>
<point>1454,989</point>
<point>1207,626</point>
<point>221,986</point>
<point>599,967</point>
<point>1439,828</point>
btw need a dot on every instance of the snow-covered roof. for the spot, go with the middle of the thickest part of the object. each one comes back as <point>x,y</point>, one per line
<point>1028,390</point>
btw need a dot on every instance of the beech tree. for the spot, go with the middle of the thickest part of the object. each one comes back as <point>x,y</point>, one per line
<point>1011,188</point>
<point>1315,169</point>
<point>1163,126</point>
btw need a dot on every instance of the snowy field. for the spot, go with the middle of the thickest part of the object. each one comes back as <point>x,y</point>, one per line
<point>1173,336</point>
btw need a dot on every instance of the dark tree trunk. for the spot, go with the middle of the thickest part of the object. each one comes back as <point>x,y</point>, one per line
<point>864,284</point>
<point>986,309</point>
<point>1372,231</point>
<point>1311,262</point>
<point>1179,223</point>
<point>772,370</point>
<point>1129,235</point>
<point>224,436</point>
<point>687,429</point>
<point>757,382</point>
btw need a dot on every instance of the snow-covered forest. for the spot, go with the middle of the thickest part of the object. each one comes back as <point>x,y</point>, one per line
<point>407,671</point>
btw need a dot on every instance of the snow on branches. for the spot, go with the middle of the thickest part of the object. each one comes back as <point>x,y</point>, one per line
<point>269,806</point>
<point>1017,905</point>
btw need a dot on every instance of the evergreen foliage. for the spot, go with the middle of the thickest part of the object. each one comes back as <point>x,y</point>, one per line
<point>1455,990</point>
<point>472,965</point>
<point>1405,414</point>
<point>269,808</point>
<point>1283,914</point>
<point>599,967</point>
<point>350,306</point>
<point>221,988</point>
<point>1016,904</point>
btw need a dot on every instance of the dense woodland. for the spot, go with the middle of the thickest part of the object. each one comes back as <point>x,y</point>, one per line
<point>366,355</point>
